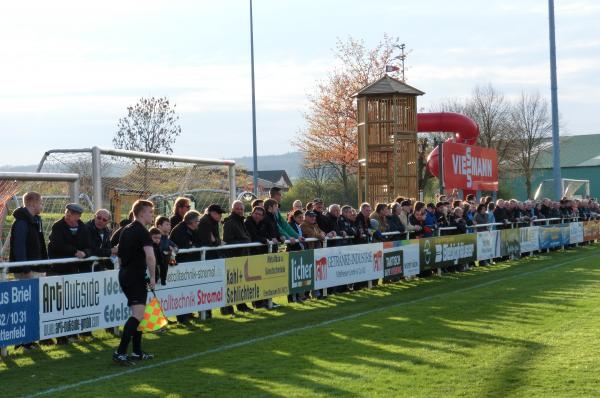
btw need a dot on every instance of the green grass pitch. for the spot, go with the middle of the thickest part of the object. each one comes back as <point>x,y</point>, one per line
<point>516,329</point>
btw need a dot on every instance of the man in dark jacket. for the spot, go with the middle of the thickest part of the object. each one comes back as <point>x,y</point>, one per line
<point>100,239</point>
<point>322,220</point>
<point>270,221</point>
<point>441,213</point>
<point>272,231</point>
<point>257,230</point>
<point>546,206</point>
<point>331,222</point>
<point>27,241</point>
<point>363,235</point>
<point>69,238</point>
<point>185,236</point>
<point>208,230</point>
<point>345,225</point>
<point>501,214</point>
<point>234,230</point>
<point>362,224</point>
<point>458,221</point>
<point>27,235</point>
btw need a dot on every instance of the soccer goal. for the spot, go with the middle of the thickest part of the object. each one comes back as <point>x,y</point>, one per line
<point>570,188</point>
<point>115,178</point>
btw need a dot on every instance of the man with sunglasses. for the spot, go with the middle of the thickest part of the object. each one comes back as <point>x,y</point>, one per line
<point>100,239</point>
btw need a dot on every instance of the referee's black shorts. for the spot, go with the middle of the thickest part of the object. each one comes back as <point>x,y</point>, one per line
<point>134,287</point>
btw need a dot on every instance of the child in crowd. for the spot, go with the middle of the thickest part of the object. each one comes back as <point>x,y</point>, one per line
<point>167,249</point>
<point>430,224</point>
<point>160,263</point>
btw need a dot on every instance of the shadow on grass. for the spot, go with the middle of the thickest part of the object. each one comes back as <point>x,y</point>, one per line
<point>454,322</point>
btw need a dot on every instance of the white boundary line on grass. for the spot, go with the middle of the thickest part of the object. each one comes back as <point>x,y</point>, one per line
<point>291,331</point>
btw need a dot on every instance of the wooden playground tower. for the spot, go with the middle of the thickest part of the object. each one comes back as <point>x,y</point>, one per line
<point>387,141</point>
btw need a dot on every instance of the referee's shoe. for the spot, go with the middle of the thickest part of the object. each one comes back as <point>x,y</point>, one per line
<point>143,356</point>
<point>122,359</point>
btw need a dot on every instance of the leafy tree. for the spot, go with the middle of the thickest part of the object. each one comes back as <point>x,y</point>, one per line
<point>330,137</point>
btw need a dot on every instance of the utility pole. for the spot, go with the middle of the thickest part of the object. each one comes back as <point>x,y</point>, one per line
<point>254,151</point>
<point>556,172</point>
<point>402,57</point>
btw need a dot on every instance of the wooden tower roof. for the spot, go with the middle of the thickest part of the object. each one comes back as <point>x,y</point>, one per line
<point>387,85</point>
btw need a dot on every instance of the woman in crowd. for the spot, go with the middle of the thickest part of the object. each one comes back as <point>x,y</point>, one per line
<point>481,217</point>
<point>295,220</point>
<point>417,218</point>
<point>181,206</point>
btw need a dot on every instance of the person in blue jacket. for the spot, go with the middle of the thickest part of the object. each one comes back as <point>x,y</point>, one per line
<point>430,224</point>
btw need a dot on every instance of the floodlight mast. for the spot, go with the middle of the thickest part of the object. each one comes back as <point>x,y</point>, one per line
<point>556,172</point>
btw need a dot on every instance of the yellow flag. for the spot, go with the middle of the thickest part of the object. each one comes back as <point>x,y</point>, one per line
<point>154,318</point>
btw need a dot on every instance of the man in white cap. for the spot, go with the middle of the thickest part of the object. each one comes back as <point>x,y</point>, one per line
<point>69,238</point>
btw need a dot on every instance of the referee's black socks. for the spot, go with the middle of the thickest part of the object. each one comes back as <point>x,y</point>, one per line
<point>137,342</point>
<point>129,332</point>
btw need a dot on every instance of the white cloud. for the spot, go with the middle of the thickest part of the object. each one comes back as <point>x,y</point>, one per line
<point>70,65</point>
<point>106,85</point>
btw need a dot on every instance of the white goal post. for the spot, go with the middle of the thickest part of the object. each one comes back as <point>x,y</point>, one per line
<point>46,177</point>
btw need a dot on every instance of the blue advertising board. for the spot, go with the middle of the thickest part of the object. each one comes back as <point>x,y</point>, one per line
<point>19,312</point>
<point>554,236</point>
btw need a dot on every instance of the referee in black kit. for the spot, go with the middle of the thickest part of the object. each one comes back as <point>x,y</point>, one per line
<point>135,255</point>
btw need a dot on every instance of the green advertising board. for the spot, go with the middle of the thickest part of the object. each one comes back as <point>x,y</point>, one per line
<point>302,277</point>
<point>446,251</point>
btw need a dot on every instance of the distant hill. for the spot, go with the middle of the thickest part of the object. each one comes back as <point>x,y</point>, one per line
<point>290,162</point>
<point>17,169</point>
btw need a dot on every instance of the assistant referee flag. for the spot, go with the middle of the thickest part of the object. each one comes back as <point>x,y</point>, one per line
<point>154,318</point>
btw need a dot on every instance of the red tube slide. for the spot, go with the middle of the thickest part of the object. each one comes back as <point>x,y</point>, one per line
<point>465,131</point>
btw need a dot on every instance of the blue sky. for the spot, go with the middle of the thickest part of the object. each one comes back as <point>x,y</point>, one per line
<point>69,69</point>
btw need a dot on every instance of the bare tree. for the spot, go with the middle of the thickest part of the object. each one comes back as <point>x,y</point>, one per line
<point>531,127</point>
<point>491,111</point>
<point>317,176</point>
<point>152,126</point>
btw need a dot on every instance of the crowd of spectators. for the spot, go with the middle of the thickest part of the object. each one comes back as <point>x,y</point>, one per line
<point>303,227</point>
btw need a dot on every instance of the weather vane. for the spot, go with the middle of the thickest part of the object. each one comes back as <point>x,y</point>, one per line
<point>397,63</point>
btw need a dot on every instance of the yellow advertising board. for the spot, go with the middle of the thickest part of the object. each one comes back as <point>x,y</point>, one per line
<point>591,230</point>
<point>256,277</point>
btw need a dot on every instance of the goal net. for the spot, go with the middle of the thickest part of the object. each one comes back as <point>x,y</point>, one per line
<point>122,177</point>
<point>56,192</point>
<point>570,188</point>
